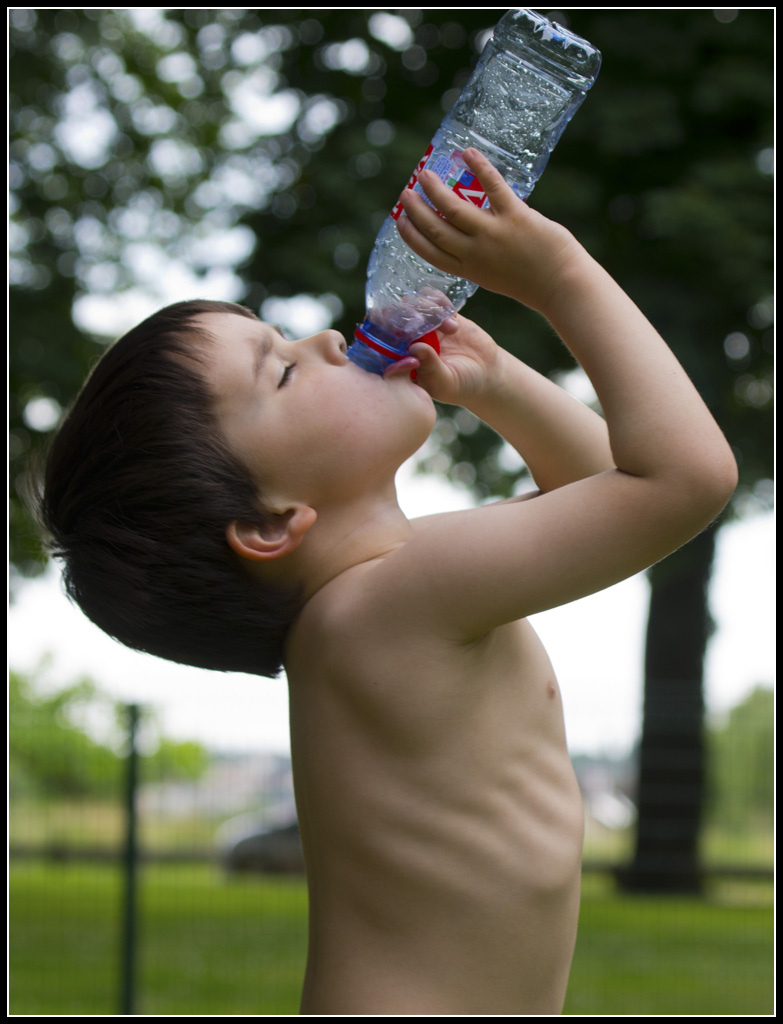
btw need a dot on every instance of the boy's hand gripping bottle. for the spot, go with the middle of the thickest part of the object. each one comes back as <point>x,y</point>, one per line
<point>527,85</point>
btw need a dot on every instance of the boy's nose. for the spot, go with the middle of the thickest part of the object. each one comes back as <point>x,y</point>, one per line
<point>329,345</point>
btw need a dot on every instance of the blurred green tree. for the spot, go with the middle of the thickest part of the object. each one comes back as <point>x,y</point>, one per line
<point>50,753</point>
<point>53,752</point>
<point>259,150</point>
<point>742,764</point>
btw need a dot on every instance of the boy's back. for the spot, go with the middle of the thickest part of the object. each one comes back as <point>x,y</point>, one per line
<point>440,814</point>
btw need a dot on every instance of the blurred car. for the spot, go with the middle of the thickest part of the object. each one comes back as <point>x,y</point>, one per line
<point>244,844</point>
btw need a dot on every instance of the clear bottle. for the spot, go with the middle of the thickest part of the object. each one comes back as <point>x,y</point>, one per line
<point>529,82</point>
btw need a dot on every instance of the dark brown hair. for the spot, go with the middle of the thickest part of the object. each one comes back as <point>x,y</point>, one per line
<point>138,490</point>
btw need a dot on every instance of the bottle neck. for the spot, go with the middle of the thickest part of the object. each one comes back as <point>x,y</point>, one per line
<point>374,349</point>
<point>380,341</point>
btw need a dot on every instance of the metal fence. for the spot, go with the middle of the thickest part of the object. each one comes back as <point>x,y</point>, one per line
<point>184,896</point>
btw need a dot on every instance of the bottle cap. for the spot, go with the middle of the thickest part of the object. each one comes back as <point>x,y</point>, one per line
<point>431,339</point>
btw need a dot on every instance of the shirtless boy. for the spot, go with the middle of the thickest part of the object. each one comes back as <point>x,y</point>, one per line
<point>440,815</point>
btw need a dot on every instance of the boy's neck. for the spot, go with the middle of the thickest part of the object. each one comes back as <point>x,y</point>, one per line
<point>342,537</point>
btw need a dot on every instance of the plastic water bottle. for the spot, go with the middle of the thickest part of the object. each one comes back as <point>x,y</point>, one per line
<point>529,82</point>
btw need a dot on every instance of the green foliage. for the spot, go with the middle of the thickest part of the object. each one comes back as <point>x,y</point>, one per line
<point>53,752</point>
<point>177,760</point>
<point>258,150</point>
<point>48,751</point>
<point>742,764</point>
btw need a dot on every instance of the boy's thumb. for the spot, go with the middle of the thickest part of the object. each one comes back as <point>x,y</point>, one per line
<point>429,363</point>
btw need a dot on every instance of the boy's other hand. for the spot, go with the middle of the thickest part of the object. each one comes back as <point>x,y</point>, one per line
<point>468,364</point>
<point>507,248</point>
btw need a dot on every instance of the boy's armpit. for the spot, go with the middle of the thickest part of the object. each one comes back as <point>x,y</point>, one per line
<point>465,573</point>
<point>517,498</point>
<point>425,522</point>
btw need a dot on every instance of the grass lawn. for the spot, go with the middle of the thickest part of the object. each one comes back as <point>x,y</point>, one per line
<point>210,946</point>
<point>673,955</point>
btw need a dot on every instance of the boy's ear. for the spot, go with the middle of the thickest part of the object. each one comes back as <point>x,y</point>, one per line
<point>274,539</point>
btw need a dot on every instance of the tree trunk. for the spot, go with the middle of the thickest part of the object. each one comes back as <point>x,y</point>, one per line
<point>671,760</point>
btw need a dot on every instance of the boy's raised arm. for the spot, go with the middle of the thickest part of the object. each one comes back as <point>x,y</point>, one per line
<point>674,469</point>
<point>560,439</point>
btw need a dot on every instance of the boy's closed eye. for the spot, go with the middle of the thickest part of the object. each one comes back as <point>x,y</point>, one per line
<point>287,373</point>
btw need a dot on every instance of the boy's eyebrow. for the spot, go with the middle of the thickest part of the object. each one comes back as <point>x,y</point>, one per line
<point>262,351</point>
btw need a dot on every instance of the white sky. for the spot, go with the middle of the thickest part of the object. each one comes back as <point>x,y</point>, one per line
<point>595,645</point>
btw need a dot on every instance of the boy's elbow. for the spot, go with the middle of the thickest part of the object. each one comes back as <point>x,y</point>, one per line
<point>715,481</point>
<point>725,474</point>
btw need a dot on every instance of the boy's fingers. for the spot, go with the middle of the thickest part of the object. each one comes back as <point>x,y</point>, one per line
<point>453,208</point>
<point>449,326</point>
<point>408,364</point>
<point>492,181</point>
<point>439,230</point>
<point>430,240</point>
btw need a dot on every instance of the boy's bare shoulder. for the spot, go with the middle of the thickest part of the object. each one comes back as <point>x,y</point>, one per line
<point>355,607</point>
<point>354,642</point>
<point>364,610</point>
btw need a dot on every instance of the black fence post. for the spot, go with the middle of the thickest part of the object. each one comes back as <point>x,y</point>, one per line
<point>130,864</point>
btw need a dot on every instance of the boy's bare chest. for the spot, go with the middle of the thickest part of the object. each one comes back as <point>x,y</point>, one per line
<point>409,674</point>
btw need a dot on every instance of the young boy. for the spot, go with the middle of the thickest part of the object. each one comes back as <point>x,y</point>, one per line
<point>439,812</point>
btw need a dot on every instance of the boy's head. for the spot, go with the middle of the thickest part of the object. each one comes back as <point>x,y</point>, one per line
<point>138,491</point>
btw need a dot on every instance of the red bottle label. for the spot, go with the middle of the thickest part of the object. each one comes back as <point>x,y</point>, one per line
<point>412,181</point>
